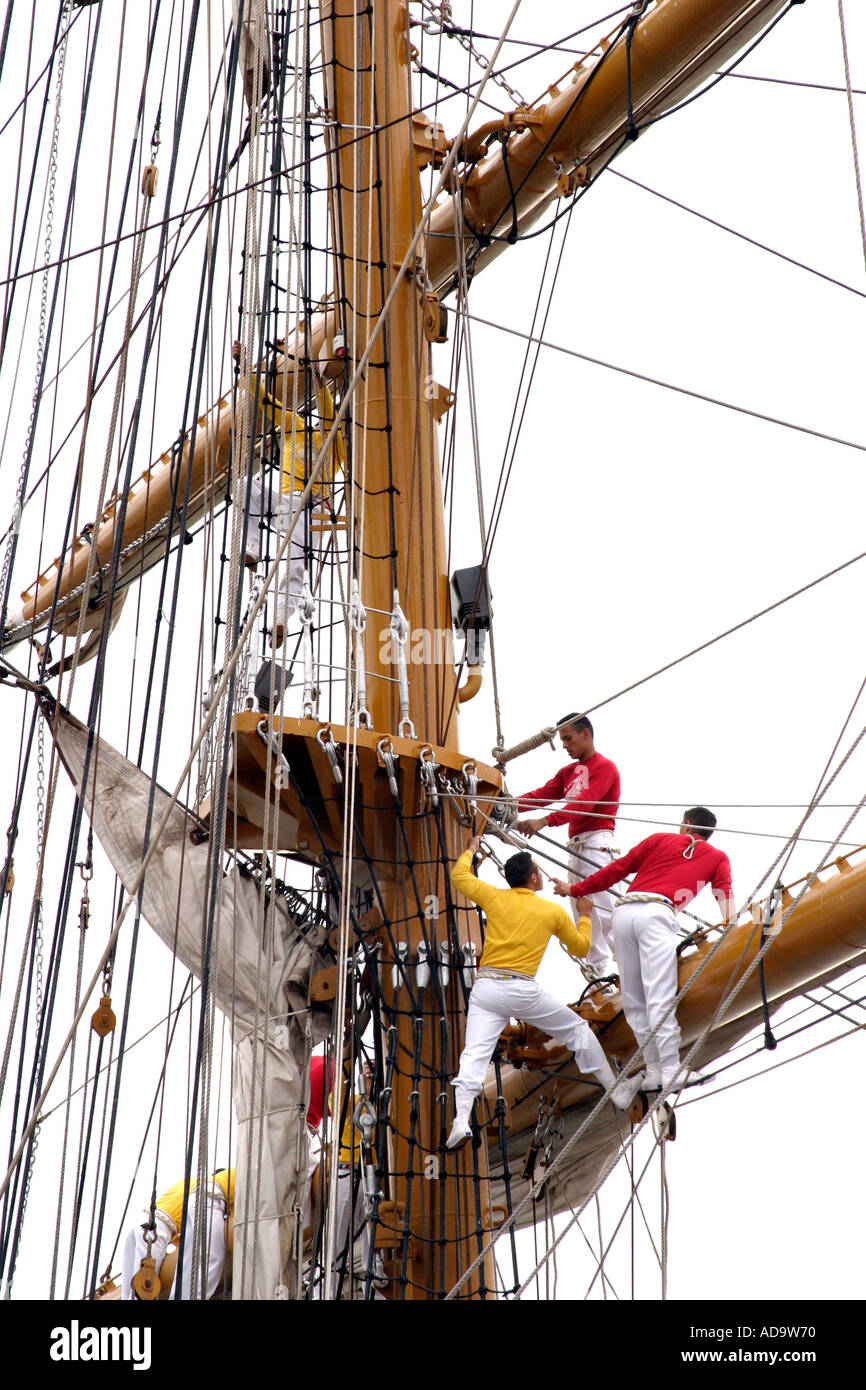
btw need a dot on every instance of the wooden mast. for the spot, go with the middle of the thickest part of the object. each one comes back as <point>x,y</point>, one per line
<point>396,475</point>
<point>376,187</point>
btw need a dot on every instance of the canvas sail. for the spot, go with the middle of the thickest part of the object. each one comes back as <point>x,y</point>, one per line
<point>260,966</point>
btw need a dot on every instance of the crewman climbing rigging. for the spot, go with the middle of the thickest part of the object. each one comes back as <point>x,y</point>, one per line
<point>302,442</point>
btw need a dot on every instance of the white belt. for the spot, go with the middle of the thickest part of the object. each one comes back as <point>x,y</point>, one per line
<point>493,972</point>
<point>648,898</point>
<point>585,834</point>
<point>163,1216</point>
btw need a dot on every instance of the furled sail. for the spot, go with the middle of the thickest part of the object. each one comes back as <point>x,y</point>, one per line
<point>259,965</point>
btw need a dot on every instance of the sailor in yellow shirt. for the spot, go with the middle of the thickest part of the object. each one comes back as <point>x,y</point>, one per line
<point>300,449</point>
<point>519,927</point>
<point>218,1193</point>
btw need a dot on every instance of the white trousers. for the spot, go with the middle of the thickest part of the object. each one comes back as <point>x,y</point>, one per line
<point>491,1004</point>
<point>646,940</point>
<point>272,509</point>
<point>591,852</point>
<point>213,1235</point>
<point>314,1154</point>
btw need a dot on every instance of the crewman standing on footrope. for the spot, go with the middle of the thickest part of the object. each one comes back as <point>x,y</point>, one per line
<point>670,871</point>
<point>590,788</point>
<point>519,927</point>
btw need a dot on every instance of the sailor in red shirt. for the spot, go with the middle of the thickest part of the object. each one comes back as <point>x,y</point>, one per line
<point>670,872</point>
<point>590,788</point>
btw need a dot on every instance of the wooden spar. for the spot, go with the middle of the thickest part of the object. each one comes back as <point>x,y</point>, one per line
<point>676,46</point>
<point>153,494</point>
<point>430,1235</point>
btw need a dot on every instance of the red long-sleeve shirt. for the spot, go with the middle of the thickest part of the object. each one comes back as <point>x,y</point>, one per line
<point>662,868</point>
<point>590,791</point>
<point>320,1085</point>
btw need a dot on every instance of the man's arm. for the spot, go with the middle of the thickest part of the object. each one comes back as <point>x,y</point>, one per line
<point>610,874</point>
<point>723,891</point>
<point>576,939</point>
<point>465,881</point>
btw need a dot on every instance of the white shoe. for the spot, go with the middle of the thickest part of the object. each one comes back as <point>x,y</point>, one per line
<point>676,1078</point>
<point>461,1130</point>
<point>653,1079</point>
<point>626,1089</point>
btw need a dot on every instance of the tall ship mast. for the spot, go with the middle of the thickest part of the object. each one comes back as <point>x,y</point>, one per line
<point>290,847</point>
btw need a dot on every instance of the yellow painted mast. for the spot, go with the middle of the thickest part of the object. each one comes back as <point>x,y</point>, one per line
<point>374,170</point>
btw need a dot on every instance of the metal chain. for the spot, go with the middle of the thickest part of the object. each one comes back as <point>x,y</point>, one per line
<point>40,833</point>
<point>441,21</point>
<point>43,318</point>
<point>163,524</point>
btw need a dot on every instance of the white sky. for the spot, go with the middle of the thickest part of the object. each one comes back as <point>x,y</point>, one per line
<point>637,524</point>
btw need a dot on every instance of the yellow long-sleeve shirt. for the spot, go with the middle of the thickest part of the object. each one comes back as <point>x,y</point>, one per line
<point>519,922</point>
<point>171,1202</point>
<point>296,464</point>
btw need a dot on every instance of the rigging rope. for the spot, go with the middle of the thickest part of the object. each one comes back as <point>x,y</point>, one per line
<point>671,386</point>
<point>741,236</point>
<point>546,735</point>
<point>853,128</point>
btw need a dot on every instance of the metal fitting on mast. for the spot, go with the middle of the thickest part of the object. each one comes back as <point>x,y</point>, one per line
<point>306,608</point>
<point>358,622</point>
<point>399,625</point>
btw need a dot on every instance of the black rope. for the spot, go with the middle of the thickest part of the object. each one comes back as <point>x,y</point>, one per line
<point>726,72</point>
<point>631,130</point>
<point>773,903</point>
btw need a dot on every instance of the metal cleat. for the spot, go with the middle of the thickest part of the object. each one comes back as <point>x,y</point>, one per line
<point>444,964</point>
<point>398,969</point>
<point>469,964</point>
<point>422,969</point>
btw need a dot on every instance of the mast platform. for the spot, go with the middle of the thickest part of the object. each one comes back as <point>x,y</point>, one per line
<point>303,766</point>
